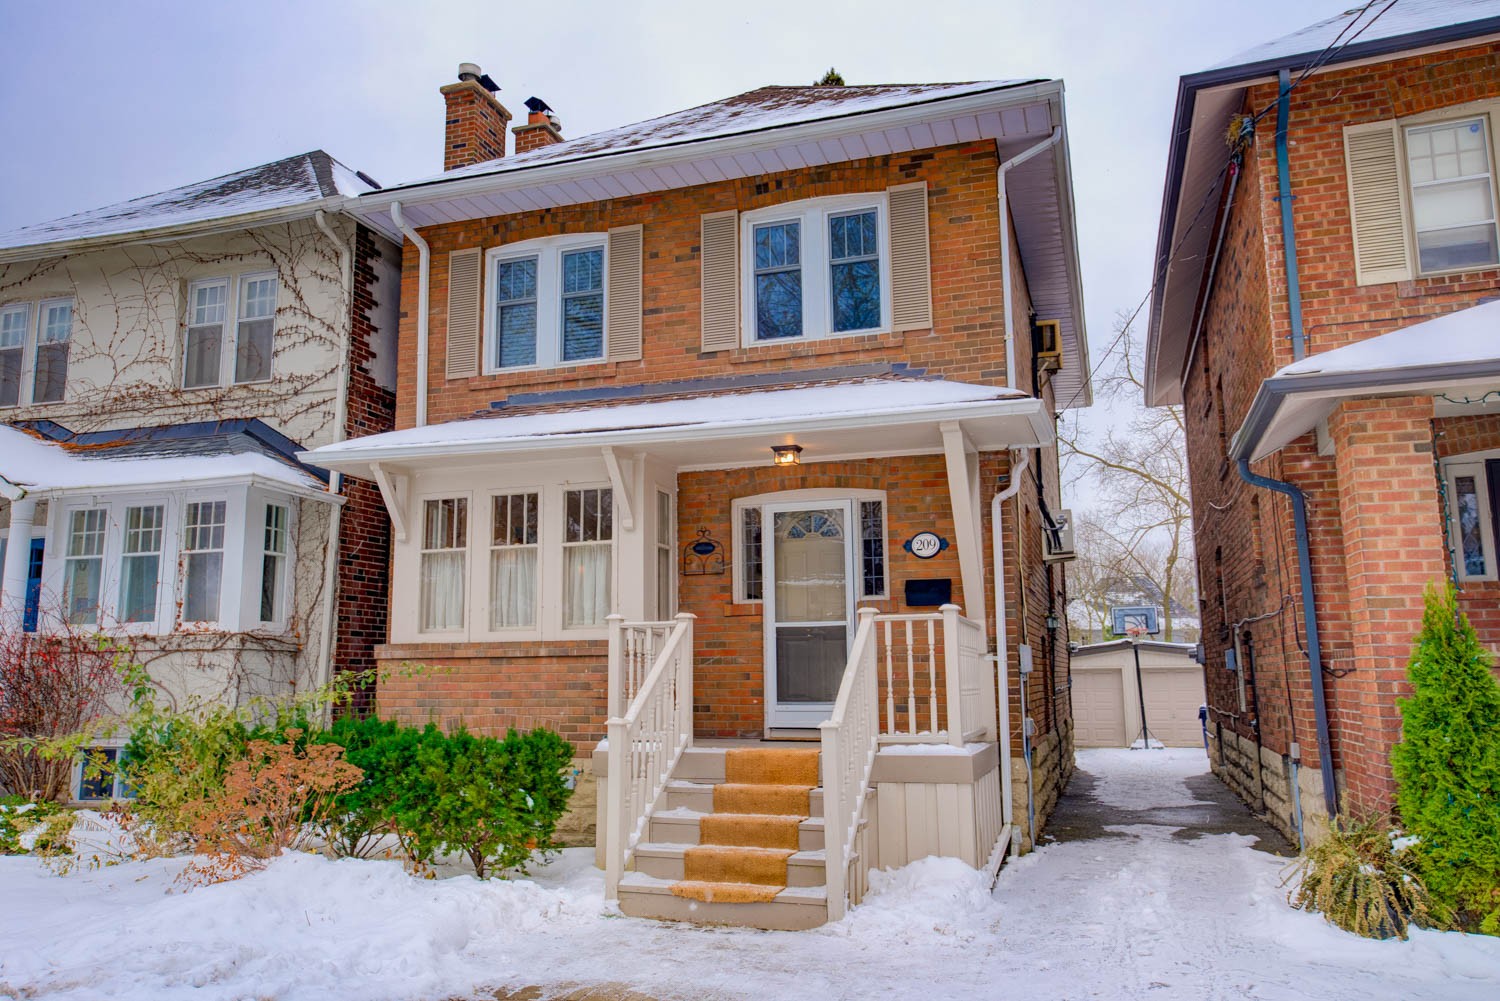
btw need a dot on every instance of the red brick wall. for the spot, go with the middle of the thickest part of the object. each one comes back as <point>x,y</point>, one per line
<point>364,529</point>
<point>963,220</point>
<point>1374,526</point>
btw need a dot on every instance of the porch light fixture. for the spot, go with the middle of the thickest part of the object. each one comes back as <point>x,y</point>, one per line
<point>786,455</point>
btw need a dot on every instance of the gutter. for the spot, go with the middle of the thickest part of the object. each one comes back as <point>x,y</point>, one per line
<point>424,268</point>
<point>1010,323</point>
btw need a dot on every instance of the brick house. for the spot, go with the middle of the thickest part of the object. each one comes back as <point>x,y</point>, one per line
<point>162,361</point>
<point>702,422</point>
<point>1320,313</point>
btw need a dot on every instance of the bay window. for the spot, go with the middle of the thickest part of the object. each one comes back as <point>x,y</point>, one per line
<point>546,303</point>
<point>203,560</point>
<point>445,540</point>
<point>513,561</point>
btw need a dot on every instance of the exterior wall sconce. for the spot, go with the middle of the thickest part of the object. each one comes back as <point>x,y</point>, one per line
<point>786,455</point>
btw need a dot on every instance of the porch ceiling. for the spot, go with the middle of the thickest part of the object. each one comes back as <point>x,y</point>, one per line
<point>872,417</point>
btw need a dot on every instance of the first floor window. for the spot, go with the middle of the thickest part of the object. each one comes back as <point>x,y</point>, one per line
<point>588,544</point>
<point>203,560</point>
<point>778,280</point>
<point>1471,487</point>
<point>208,304</point>
<point>84,566</point>
<point>140,563</point>
<point>445,540</point>
<point>254,332</point>
<point>513,561</point>
<point>515,312</point>
<point>665,543</point>
<point>101,775</point>
<point>12,350</point>
<point>752,558</point>
<point>273,563</point>
<point>872,549</point>
<point>1453,198</point>
<point>54,333</point>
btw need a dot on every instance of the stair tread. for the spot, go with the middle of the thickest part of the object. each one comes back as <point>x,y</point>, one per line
<point>675,848</point>
<point>688,813</point>
<point>639,882</point>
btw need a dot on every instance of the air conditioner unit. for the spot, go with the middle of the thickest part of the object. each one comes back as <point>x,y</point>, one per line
<point>1049,355</point>
<point>1057,539</point>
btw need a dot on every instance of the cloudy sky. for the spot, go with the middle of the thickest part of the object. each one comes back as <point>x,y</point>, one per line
<point>105,101</point>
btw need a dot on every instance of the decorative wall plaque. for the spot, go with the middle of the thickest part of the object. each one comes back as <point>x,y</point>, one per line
<point>925,545</point>
<point>704,555</point>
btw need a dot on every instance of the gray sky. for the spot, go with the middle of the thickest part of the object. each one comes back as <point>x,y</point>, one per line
<point>105,101</point>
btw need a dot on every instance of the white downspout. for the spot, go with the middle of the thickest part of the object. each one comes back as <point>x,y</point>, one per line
<point>424,264</point>
<point>1002,647</point>
<point>1010,321</point>
<point>340,425</point>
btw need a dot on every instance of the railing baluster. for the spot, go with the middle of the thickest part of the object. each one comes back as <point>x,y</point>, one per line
<point>911,683</point>
<point>932,678</point>
<point>890,685</point>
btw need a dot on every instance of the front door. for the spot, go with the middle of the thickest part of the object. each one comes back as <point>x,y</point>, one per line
<point>809,570</point>
<point>33,600</point>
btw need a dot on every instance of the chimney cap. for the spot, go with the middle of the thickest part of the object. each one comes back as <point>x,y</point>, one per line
<point>471,71</point>
<point>536,104</point>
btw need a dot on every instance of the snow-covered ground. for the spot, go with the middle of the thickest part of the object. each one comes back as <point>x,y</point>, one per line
<point>1141,915</point>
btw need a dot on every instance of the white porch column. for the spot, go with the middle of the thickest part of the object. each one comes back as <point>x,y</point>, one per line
<point>17,556</point>
<point>963,492</point>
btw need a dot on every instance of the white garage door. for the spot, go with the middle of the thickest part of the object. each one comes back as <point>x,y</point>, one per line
<point>1098,709</point>
<point>1172,701</point>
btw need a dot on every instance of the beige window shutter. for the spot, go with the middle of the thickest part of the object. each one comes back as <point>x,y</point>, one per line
<point>622,323</point>
<point>1377,203</point>
<point>463,313</point>
<point>911,265</point>
<point>720,259</point>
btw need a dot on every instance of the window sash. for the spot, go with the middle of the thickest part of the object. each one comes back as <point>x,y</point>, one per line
<point>203,560</point>
<point>854,270</point>
<point>254,341</point>
<point>1452,195</point>
<point>777,273</point>
<point>665,544</point>
<point>588,552</point>
<point>752,558</point>
<point>140,562</point>
<point>582,304</point>
<point>872,549</point>
<point>516,281</point>
<point>514,557</point>
<point>83,567</point>
<point>273,562</point>
<point>444,563</point>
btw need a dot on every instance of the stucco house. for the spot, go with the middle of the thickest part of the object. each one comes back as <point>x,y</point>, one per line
<point>162,361</point>
<point>725,447</point>
<point>1324,314</point>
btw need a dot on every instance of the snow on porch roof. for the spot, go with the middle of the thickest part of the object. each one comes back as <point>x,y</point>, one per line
<point>143,457</point>
<point>1458,352</point>
<point>860,416</point>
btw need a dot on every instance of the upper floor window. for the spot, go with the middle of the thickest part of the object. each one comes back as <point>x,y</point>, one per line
<point>817,268</point>
<point>54,334</point>
<point>546,303</point>
<point>13,323</point>
<point>217,353</point>
<point>1452,195</point>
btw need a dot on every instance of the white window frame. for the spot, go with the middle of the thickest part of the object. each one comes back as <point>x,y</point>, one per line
<point>279,613</point>
<point>811,496</point>
<point>1471,464</point>
<point>229,336</point>
<point>100,558</point>
<point>226,562</point>
<point>489,548</point>
<point>25,310</point>
<point>118,788</point>
<point>37,343</point>
<point>421,550</point>
<point>1448,116</point>
<point>548,251</point>
<point>163,554</point>
<point>563,545</point>
<point>817,283</point>
<point>665,513</point>
<point>239,319</point>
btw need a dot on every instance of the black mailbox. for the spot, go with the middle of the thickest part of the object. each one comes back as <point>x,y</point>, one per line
<point>929,592</point>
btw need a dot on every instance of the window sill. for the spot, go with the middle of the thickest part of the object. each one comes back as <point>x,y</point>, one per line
<point>745,610</point>
<point>808,347</point>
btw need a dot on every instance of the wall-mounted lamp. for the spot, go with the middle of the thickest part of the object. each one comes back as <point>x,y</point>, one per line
<point>786,455</point>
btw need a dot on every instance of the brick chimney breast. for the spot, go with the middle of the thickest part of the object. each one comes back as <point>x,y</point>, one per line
<point>541,129</point>
<point>475,120</point>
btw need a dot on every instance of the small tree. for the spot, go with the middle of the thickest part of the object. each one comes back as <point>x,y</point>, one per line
<point>1447,765</point>
<point>833,78</point>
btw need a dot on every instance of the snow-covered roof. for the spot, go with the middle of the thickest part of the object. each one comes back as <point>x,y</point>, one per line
<point>32,462</point>
<point>295,181</point>
<point>1456,355</point>
<point>753,111</point>
<point>876,414</point>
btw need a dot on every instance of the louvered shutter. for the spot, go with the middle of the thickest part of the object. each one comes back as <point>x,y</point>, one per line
<point>721,280</point>
<point>1377,203</point>
<point>623,311</point>
<point>911,266</point>
<point>463,313</point>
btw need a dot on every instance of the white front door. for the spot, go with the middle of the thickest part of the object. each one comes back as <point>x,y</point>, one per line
<point>809,608</point>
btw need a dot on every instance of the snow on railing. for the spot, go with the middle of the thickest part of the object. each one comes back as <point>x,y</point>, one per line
<point>921,661</point>
<point>648,739</point>
<point>850,741</point>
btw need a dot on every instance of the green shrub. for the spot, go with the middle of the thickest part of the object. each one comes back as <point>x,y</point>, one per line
<point>1447,767</point>
<point>1359,879</point>
<point>386,753</point>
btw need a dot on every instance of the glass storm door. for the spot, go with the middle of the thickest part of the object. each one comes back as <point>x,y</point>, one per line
<point>809,609</point>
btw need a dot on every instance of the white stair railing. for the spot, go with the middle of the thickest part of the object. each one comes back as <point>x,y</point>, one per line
<point>922,659</point>
<point>850,740</point>
<point>633,647</point>
<point>648,738</point>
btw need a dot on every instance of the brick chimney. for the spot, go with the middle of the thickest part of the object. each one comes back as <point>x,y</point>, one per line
<point>541,129</point>
<point>474,125</point>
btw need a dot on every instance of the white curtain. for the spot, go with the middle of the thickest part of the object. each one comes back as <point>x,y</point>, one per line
<point>512,587</point>
<point>442,591</point>
<point>587,570</point>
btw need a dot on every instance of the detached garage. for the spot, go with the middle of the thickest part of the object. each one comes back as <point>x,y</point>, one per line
<point>1107,704</point>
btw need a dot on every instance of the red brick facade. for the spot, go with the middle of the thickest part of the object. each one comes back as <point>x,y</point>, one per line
<point>1375,517</point>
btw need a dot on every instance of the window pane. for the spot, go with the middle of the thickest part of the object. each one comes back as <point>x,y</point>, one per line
<point>97,773</point>
<point>57,322</point>
<point>84,566</point>
<point>205,573</point>
<point>273,561</point>
<point>1469,246</point>
<point>586,571</point>
<point>856,296</point>
<point>10,376</point>
<point>253,347</point>
<point>515,321</point>
<point>751,568</point>
<point>512,587</point>
<point>1470,531</point>
<point>208,304</point>
<point>442,590</point>
<point>872,548</point>
<point>778,280</point>
<point>51,372</point>
<point>140,571</point>
<point>201,365</point>
<point>258,298</point>
<point>445,524</point>
<point>583,327</point>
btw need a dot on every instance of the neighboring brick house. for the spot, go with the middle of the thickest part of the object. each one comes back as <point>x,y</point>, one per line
<point>727,363</point>
<point>162,361</point>
<point>1347,356</point>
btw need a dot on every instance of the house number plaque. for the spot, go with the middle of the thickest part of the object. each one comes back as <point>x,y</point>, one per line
<point>925,545</point>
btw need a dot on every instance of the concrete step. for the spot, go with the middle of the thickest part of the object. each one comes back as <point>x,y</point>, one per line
<point>665,861</point>
<point>680,826</point>
<point>696,794</point>
<point>794,909</point>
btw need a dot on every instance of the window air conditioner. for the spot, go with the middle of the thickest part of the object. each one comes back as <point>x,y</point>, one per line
<point>1057,539</point>
<point>1049,355</point>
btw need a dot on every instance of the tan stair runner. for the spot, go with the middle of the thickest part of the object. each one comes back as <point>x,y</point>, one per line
<point>743,846</point>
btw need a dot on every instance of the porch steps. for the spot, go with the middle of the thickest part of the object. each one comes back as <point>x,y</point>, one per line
<point>739,841</point>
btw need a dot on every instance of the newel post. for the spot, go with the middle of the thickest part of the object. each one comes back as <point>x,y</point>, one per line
<point>685,667</point>
<point>616,704</point>
<point>953,682</point>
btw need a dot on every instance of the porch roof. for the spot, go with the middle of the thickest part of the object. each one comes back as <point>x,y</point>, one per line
<point>1455,356</point>
<point>831,420</point>
<point>49,459</point>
